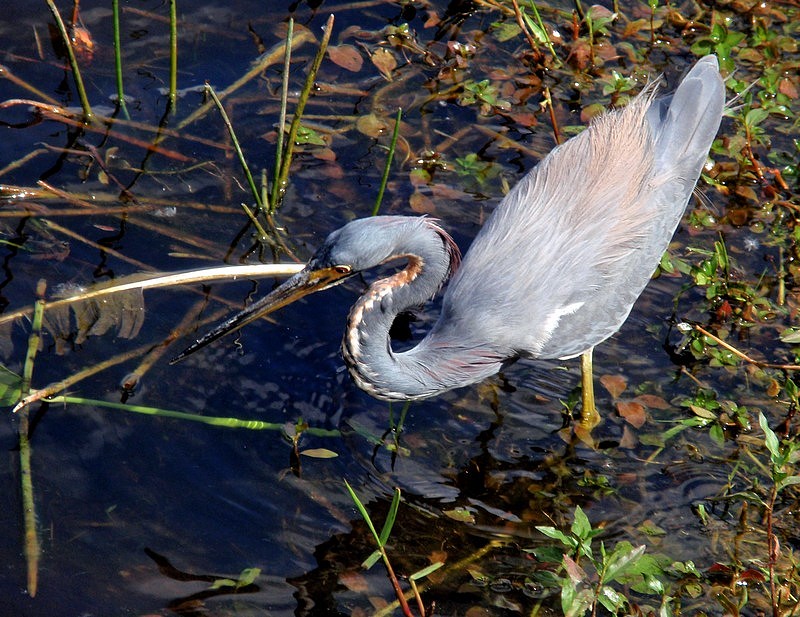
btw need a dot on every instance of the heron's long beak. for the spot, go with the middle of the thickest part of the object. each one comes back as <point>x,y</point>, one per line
<point>305,282</point>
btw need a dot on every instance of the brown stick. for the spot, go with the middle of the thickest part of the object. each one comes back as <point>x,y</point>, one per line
<point>744,356</point>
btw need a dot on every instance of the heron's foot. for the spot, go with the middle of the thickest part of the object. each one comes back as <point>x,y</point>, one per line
<point>589,416</point>
<point>582,429</point>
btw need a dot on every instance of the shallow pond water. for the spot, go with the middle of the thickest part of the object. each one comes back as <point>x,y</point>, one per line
<point>139,515</point>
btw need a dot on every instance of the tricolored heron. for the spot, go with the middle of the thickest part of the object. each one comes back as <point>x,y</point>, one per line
<point>554,271</point>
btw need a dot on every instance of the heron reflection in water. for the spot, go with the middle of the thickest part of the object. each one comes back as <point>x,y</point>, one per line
<point>554,271</point>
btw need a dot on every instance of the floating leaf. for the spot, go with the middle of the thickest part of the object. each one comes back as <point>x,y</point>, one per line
<point>319,453</point>
<point>324,154</point>
<point>223,582</point>
<point>384,61</point>
<point>651,401</point>
<point>308,136</point>
<point>615,384</point>
<point>633,413</point>
<point>702,412</point>
<point>372,126</point>
<point>347,57</point>
<point>460,514</point>
<point>247,577</point>
<point>649,528</point>
<point>421,204</point>
<point>774,388</point>
<point>354,581</point>
<point>629,439</point>
<point>505,30</point>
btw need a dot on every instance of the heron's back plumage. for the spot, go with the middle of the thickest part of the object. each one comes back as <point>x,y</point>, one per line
<point>557,267</point>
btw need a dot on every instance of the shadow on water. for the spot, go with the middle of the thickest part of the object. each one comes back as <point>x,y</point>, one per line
<point>141,515</point>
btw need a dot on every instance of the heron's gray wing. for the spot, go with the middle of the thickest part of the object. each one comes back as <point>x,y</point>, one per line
<point>561,261</point>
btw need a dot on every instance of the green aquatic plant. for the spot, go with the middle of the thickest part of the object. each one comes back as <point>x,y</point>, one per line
<point>591,576</point>
<point>484,94</point>
<point>721,41</point>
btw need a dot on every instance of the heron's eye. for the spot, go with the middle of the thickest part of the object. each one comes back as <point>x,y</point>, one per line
<point>342,269</point>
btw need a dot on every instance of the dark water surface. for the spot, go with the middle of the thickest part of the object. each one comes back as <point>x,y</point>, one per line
<point>117,493</point>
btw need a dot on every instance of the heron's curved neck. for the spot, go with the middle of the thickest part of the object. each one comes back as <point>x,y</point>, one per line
<point>434,365</point>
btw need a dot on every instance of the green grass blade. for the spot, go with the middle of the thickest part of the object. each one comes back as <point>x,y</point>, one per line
<point>388,165</point>
<point>548,41</point>
<point>390,518</point>
<point>426,571</point>
<point>242,161</point>
<point>363,512</point>
<point>372,559</point>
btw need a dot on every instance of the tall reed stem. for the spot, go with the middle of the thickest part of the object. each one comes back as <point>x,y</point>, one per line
<point>73,62</point>
<point>388,166</point>
<point>287,58</point>
<point>31,547</point>
<point>173,55</point>
<point>283,175</point>
<point>118,60</point>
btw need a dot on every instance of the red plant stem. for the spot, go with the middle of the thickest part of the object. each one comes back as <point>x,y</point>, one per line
<point>398,591</point>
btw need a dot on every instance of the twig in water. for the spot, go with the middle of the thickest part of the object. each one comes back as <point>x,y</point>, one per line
<point>742,355</point>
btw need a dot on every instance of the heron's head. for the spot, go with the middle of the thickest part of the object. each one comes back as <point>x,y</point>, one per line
<point>358,246</point>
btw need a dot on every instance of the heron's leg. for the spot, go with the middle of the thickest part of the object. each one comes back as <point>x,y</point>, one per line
<point>589,416</point>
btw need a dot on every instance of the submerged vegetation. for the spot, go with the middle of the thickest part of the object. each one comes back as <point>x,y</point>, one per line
<point>132,150</point>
